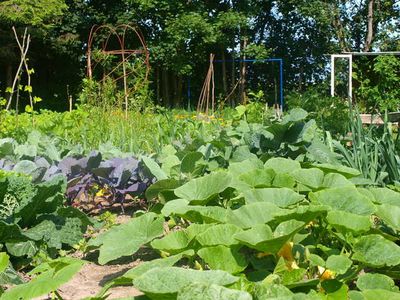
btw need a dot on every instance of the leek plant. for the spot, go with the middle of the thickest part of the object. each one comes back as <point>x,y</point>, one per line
<point>372,149</point>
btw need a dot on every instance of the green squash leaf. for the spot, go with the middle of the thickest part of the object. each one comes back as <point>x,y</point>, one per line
<point>282,165</point>
<point>173,242</point>
<point>224,258</point>
<point>282,197</point>
<point>203,189</point>
<point>385,196</point>
<point>154,168</point>
<point>376,251</point>
<point>134,234</point>
<point>345,221</point>
<point>4,261</point>
<point>220,234</point>
<point>390,215</point>
<point>258,178</point>
<point>52,276</point>
<point>345,199</point>
<point>261,237</point>
<point>253,214</point>
<point>312,178</point>
<point>165,283</point>
<point>338,263</point>
<point>201,291</point>
<point>371,281</point>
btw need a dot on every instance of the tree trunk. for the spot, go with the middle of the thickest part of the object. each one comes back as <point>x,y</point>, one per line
<point>370,31</point>
<point>233,81</point>
<point>165,98</point>
<point>340,32</point>
<point>158,84</point>
<point>242,87</point>
<point>224,79</point>
<point>175,90</point>
<point>9,78</point>
<point>180,91</point>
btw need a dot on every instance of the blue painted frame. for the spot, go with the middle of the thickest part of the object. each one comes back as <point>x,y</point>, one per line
<point>279,60</point>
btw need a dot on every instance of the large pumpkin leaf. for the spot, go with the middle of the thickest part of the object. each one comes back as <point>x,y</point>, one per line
<point>220,234</point>
<point>385,196</point>
<point>239,168</point>
<point>312,178</point>
<point>284,180</point>
<point>380,294</point>
<point>376,251</point>
<point>258,178</point>
<point>253,214</point>
<point>390,215</point>
<point>345,171</point>
<point>157,263</point>
<point>126,278</point>
<point>126,239</point>
<point>224,258</point>
<point>345,199</point>
<point>263,239</point>
<point>371,281</point>
<point>52,276</point>
<point>203,189</point>
<point>304,213</point>
<point>165,283</point>
<point>338,263</point>
<point>201,291</point>
<point>282,197</point>
<point>332,180</point>
<point>345,221</point>
<point>154,168</point>
<point>4,260</point>
<point>173,242</point>
<point>282,165</point>
<point>200,214</point>
<point>158,189</point>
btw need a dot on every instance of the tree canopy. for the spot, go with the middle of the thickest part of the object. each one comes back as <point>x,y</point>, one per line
<point>181,34</point>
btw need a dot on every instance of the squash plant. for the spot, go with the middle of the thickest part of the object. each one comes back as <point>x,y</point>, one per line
<point>274,230</point>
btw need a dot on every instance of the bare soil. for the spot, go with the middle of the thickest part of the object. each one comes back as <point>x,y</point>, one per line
<point>92,277</point>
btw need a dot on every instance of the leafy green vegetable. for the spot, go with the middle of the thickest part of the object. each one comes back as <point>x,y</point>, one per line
<point>224,258</point>
<point>202,190</point>
<point>345,221</point>
<point>261,237</point>
<point>220,234</point>
<point>338,263</point>
<point>167,282</point>
<point>200,291</point>
<point>346,199</point>
<point>376,251</point>
<point>282,197</point>
<point>135,234</point>
<point>51,276</point>
<point>371,281</point>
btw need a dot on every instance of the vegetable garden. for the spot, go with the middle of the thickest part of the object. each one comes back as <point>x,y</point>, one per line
<point>241,210</point>
<point>112,186</point>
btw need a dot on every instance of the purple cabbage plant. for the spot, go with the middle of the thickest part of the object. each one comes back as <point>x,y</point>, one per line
<point>119,176</point>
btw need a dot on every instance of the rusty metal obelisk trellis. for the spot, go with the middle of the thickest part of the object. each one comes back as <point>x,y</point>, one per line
<point>108,37</point>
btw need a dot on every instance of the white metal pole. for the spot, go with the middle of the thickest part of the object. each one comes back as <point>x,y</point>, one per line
<point>332,75</point>
<point>351,77</point>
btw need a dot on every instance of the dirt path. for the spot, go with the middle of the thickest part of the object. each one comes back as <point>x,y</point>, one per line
<point>90,280</point>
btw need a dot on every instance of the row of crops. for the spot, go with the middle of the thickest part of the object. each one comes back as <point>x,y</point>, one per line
<point>250,212</point>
